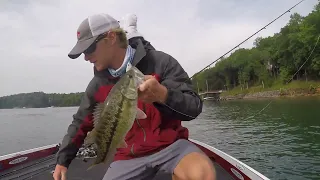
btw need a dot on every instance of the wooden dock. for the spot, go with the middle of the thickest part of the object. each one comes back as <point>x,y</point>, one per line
<point>211,95</point>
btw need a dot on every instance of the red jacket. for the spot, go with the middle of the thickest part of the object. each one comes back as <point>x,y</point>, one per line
<point>163,124</point>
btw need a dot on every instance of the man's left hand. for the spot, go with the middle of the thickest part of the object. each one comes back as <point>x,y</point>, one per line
<point>152,91</point>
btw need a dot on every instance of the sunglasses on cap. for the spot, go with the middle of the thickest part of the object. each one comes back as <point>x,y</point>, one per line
<point>93,46</point>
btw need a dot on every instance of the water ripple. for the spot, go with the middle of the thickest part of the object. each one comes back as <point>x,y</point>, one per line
<point>282,142</point>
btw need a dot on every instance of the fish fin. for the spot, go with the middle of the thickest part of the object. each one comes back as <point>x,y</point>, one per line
<point>109,159</point>
<point>140,114</point>
<point>123,144</point>
<point>97,113</point>
<point>91,166</point>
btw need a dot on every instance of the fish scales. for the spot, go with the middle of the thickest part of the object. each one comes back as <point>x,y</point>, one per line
<point>108,127</point>
<point>115,117</point>
<point>121,128</point>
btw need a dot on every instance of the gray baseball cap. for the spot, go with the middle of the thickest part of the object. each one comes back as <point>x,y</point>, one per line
<point>90,29</point>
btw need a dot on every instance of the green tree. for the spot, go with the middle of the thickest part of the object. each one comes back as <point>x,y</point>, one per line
<point>271,59</point>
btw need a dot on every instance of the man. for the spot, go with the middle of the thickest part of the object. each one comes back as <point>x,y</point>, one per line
<point>157,145</point>
<point>129,25</point>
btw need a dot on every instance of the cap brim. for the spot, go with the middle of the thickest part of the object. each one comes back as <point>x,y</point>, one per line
<point>81,46</point>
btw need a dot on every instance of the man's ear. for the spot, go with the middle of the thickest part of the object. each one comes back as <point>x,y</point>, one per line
<point>112,37</point>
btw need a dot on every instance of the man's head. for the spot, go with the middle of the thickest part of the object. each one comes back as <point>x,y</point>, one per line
<point>100,39</point>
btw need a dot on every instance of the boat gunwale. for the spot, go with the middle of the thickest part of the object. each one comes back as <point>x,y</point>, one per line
<point>237,164</point>
<point>223,159</point>
<point>21,158</point>
<point>28,151</point>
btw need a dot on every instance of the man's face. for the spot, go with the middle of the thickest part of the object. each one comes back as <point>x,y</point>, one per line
<point>101,52</point>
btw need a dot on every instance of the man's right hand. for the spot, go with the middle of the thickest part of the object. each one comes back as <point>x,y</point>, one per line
<point>60,173</point>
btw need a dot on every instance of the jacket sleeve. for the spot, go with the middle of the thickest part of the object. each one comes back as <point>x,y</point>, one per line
<point>182,102</point>
<point>78,129</point>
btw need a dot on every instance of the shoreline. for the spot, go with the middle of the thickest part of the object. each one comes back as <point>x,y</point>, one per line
<point>288,93</point>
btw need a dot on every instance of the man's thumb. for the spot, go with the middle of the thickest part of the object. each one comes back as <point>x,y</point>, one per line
<point>143,86</point>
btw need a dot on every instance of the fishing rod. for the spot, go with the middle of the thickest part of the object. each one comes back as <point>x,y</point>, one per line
<point>247,38</point>
<point>229,52</point>
<point>52,165</point>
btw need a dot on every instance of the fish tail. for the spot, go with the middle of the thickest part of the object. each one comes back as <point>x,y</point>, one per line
<point>91,166</point>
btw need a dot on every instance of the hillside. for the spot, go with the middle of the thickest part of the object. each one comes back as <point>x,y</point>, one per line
<point>40,100</point>
<point>291,54</point>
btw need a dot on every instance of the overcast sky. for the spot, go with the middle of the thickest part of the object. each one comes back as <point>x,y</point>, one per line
<point>36,35</point>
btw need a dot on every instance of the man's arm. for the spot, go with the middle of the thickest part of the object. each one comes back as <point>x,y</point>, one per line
<point>182,101</point>
<point>78,129</point>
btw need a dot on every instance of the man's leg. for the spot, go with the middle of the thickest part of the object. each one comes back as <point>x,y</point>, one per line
<point>194,166</point>
<point>182,160</point>
<point>133,169</point>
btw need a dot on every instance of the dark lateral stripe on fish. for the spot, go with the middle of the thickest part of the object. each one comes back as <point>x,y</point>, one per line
<point>114,127</point>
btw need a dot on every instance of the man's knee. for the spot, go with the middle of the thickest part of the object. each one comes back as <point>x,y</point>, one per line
<point>195,166</point>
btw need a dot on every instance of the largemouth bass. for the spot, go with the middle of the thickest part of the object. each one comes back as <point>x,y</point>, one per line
<point>115,116</point>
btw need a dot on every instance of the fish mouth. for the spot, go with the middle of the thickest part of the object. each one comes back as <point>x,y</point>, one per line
<point>138,76</point>
<point>139,80</point>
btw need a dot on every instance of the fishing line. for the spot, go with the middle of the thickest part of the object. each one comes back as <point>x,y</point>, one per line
<point>247,39</point>
<point>49,167</point>
<point>305,61</point>
<point>290,78</point>
<point>227,53</point>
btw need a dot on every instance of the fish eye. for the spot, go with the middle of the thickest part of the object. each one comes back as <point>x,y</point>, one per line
<point>130,76</point>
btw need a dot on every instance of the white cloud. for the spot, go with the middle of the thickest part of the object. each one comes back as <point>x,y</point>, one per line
<point>37,35</point>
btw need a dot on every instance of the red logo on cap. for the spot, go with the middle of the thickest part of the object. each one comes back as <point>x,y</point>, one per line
<point>78,35</point>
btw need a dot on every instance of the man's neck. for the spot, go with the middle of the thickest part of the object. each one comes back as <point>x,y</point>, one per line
<point>119,58</point>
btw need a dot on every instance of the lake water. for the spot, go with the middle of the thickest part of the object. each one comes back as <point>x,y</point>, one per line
<point>281,142</point>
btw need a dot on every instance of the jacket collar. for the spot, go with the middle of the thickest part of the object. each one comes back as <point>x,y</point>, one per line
<point>138,56</point>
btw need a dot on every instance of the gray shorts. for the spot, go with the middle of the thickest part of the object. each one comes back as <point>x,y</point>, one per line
<point>154,167</point>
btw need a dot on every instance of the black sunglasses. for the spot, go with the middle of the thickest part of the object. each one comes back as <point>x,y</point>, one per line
<point>93,46</point>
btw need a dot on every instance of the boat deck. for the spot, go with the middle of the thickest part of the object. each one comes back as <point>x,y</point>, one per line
<point>42,170</point>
